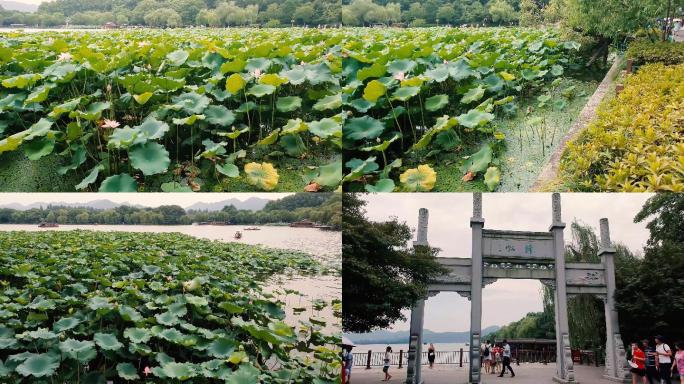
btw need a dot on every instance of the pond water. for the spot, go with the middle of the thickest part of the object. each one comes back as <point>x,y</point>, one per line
<point>324,246</point>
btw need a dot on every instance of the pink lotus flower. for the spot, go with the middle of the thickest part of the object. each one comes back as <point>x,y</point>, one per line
<point>147,371</point>
<point>110,124</point>
<point>400,76</point>
<point>64,56</point>
<point>446,62</point>
<point>257,73</point>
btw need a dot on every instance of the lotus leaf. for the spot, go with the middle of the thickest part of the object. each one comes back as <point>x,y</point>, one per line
<point>127,371</point>
<point>119,183</point>
<point>421,179</point>
<point>40,365</point>
<point>151,158</point>
<point>263,175</point>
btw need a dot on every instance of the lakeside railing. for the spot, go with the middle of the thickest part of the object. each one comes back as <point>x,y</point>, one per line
<point>544,356</point>
<point>398,359</point>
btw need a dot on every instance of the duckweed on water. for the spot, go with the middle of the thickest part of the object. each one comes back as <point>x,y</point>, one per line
<point>86,307</point>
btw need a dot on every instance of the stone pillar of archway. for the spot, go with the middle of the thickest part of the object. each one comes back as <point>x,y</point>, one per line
<point>565,372</point>
<point>477,224</point>
<point>413,363</point>
<point>616,368</point>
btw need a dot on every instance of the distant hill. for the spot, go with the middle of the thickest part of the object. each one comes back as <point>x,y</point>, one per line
<point>400,337</point>
<point>96,204</point>
<point>252,204</point>
<point>18,6</point>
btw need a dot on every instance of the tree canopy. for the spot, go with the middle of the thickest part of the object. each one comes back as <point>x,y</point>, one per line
<point>382,274</point>
<point>325,208</point>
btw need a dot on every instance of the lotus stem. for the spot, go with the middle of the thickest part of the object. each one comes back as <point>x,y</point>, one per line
<point>398,125</point>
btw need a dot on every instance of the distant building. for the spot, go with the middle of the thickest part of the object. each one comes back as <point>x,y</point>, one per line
<point>110,25</point>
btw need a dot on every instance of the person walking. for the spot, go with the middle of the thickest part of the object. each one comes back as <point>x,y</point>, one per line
<point>431,355</point>
<point>487,356</point>
<point>348,360</point>
<point>386,366</point>
<point>638,364</point>
<point>652,376</point>
<point>664,355</point>
<point>678,365</point>
<point>496,363</point>
<point>506,359</point>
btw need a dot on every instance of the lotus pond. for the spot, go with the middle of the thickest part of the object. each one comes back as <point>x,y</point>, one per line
<point>86,307</point>
<point>185,110</point>
<point>438,108</point>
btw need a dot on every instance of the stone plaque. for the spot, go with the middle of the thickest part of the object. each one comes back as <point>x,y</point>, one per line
<point>524,245</point>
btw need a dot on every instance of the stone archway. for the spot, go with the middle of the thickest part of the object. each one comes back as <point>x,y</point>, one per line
<point>498,254</point>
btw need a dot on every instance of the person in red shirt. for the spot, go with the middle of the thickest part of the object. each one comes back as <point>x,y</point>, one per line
<point>638,364</point>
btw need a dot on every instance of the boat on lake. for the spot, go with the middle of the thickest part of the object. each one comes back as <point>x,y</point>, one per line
<point>252,229</point>
<point>48,225</point>
<point>238,235</point>
<point>303,224</point>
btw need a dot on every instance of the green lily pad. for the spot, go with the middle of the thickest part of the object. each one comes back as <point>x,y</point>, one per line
<point>107,341</point>
<point>325,128</point>
<point>479,161</point>
<point>288,103</point>
<point>219,115</point>
<point>405,93</point>
<point>330,175</point>
<point>40,365</point>
<point>177,58</point>
<point>151,158</point>
<point>364,127</point>
<point>261,90</point>
<point>383,185</point>
<point>492,178</point>
<point>475,118</point>
<point>474,94</point>
<point>221,348</point>
<point>127,371</point>
<point>436,102</point>
<point>228,169</point>
<point>180,371</point>
<point>119,183</point>
<point>329,102</point>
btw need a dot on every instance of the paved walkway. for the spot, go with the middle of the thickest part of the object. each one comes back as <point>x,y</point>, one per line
<point>449,374</point>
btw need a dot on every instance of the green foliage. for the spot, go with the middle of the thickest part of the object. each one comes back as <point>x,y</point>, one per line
<point>130,301</point>
<point>635,143</point>
<point>381,275</point>
<point>648,296</point>
<point>168,107</point>
<point>324,208</point>
<point>423,96</point>
<point>646,52</point>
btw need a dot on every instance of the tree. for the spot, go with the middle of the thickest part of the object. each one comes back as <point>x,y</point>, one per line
<point>649,297</point>
<point>502,12</point>
<point>530,14</point>
<point>381,273</point>
<point>303,13</point>
<point>163,18</point>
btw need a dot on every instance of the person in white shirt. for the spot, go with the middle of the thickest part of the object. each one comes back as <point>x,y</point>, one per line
<point>386,366</point>
<point>487,356</point>
<point>506,359</point>
<point>664,356</point>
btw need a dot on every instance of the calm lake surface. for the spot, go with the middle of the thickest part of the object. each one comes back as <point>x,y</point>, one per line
<point>324,246</point>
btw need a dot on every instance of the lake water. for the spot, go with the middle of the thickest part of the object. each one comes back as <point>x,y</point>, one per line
<point>324,246</point>
<point>442,347</point>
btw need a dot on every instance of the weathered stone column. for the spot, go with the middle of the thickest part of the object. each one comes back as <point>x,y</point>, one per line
<point>476,223</point>
<point>616,368</point>
<point>413,363</point>
<point>564,366</point>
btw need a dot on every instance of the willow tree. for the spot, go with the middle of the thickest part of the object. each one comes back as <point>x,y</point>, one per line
<point>586,316</point>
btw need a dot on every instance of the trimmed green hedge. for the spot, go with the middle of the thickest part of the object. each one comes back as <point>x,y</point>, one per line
<point>645,52</point>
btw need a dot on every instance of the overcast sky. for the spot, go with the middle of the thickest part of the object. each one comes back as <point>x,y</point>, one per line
<point>145,199</point>
<point>37,2</point>
<point>449,229</point>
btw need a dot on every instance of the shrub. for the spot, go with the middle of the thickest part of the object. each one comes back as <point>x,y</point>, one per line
<point>637,141</point>
<point>645,52</point>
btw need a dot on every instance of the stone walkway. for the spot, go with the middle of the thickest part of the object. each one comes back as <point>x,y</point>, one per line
<point>449,374</point>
